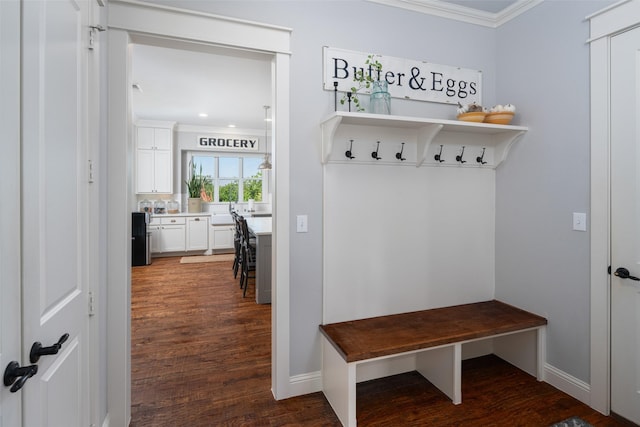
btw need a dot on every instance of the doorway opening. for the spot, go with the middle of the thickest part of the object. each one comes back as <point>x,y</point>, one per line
<point>126,21</point>
<point>204,90</point>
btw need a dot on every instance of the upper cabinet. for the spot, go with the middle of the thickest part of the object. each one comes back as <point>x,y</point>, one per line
<point>385,139</point>
<point>154,157</point>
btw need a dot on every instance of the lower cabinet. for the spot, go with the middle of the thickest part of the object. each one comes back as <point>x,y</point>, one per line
<point>197,233</point>
<point>222,236</point>
<point>168,234</point>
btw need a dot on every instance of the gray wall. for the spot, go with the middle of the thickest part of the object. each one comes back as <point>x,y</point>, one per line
<point>538,61</point>
<point>541,263</point>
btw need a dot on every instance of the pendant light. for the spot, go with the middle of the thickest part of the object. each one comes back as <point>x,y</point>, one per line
<point>266,164</point>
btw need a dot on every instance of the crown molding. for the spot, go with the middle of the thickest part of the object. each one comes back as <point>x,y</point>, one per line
<point>462,13</point>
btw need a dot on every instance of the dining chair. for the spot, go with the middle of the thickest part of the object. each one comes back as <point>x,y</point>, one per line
<point>248,250</point>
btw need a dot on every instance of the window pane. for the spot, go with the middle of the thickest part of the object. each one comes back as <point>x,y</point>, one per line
<point>253,189</point>
<point>228,190</point>
<point>250,167</point>
<point>207,163</point>
<point>229,167</point>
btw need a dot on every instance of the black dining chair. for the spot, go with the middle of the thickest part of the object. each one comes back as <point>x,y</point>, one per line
<point>237,244</point>
<point>248,253</point>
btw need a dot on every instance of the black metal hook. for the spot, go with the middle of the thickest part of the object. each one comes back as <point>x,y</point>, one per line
<point>374,154</point>
<point>399,154</point>
<point>459,157</point>
<point>480,159</point>
<point>335,96</point>
<point>349,99</point>
<point>349,152</point>
<point>438,157</point>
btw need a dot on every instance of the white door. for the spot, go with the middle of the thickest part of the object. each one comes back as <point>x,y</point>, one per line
<point>54,215</point>
<point>625,224</point>
<point>10,340</point>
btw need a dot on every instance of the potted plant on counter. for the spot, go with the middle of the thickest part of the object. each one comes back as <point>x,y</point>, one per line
<point>195,185</point>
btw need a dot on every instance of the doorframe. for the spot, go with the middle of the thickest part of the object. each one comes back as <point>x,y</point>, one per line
<point>130,17</point>
<point>604,24</point>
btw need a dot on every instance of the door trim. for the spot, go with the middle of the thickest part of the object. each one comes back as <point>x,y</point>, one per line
<point>604,24</point>
<point>127,18</point>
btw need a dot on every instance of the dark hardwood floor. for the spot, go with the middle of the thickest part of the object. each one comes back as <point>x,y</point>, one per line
<point>201,356</point>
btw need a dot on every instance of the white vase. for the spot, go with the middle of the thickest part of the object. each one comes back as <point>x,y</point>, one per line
<point>194,205</point>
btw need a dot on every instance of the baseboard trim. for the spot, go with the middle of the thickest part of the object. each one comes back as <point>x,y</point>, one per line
<point>569,384</point>
<point>311,382</point>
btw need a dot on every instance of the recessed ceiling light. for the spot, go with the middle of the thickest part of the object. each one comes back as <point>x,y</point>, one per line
<point>203,115</point>
<point>232,126</point>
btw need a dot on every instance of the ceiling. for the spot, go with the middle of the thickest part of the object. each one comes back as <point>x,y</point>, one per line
<point>177,81</point>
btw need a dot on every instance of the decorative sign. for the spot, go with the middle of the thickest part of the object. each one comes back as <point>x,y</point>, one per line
<point>408,79</point>
<point>228,143</point>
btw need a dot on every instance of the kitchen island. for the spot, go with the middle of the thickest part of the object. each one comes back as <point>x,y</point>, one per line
<point>261,227</point>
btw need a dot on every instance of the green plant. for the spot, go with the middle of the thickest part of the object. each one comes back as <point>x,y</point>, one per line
<point>196,182</point>
<point>364,81</point>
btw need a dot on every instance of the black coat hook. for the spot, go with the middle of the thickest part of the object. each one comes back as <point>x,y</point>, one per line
<point>438,157</point>
<point>349,153</point>
<point>459,157</point>
<point>480,159</point>
<point>349,99</point>
<point>335,96</point>
<point>399,155</point>
<point>374,154</point>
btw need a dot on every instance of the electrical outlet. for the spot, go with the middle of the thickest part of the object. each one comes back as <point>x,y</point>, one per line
<point>302,224</point>
<point>579,221</point>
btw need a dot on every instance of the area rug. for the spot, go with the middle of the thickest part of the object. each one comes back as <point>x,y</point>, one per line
<point>206,258</point>
<point>572,422</point>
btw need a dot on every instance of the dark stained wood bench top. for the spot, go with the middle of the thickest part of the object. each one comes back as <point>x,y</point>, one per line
<point>398,333</point>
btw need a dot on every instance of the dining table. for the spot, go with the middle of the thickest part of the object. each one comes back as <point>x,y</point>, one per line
<point>260,228</point>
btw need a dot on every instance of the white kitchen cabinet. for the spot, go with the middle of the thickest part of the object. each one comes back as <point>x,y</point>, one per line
<point>198,233</point>
<point>222,236</point>
<point>168,234</point>
<point>154,158</point>
<point>397,140</point>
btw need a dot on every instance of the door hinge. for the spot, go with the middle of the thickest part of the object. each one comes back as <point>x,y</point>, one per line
<point>90,171</point>
<point>92,34</point>
<point>92,309</point>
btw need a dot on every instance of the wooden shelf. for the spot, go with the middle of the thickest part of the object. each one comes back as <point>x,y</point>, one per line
<point>427,131</point>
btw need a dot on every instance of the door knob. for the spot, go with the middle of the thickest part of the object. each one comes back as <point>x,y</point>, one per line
<point>15,376</point>
<point>623,273</point>
<point>38,350</point>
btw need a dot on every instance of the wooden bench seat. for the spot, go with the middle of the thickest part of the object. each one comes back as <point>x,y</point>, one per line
<point>435,337</point>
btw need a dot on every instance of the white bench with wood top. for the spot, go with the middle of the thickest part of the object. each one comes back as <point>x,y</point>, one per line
<point>435,338</point>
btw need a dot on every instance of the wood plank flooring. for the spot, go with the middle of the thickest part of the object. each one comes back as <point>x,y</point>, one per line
<point>201,356</point>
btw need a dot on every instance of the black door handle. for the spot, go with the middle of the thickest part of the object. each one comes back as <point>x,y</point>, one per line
<point>623,273</point>
<point>38,350</point>
<point>15,376</point>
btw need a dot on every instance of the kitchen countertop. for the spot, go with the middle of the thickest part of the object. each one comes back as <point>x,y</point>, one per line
<point>260,226</point>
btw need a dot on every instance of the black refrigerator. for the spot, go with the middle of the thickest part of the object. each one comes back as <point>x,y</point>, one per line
<point>140,239</point>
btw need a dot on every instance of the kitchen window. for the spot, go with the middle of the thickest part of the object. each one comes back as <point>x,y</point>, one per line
<point>231,178</point>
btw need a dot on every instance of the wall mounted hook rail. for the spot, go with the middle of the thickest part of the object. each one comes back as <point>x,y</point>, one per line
<point>438,157</point>
<point>399,154</point>
<point>374,154</point>
<point>480,159</point>
<point>349,152</point>
<point>459,157</point>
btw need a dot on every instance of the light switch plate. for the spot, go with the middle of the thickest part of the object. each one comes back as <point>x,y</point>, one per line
<point>579,221</point>
<point>302,224</point>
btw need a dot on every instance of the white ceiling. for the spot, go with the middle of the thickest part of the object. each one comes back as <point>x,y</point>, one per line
<point>180,80</point>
